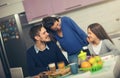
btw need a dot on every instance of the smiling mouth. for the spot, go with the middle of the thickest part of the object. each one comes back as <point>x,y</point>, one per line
<point>48,37</point>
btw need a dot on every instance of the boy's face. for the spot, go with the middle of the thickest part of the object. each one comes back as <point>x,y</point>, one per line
<point>43,35</point>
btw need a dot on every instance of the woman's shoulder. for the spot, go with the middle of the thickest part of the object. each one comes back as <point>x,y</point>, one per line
<point>65,18</point>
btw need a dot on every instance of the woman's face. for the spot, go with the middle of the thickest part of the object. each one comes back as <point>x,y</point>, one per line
<point>56,26</point>
<point>91,36</point>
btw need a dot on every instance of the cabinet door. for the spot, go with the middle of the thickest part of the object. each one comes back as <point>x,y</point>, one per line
<point>73,4</point>
<point>37,8</point>
<point>41,8</point>
<point>90,2</point>
<point>57,6</point>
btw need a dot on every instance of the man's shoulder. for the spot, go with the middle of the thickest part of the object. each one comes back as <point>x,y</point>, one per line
<point>30,50</point>
<point>51,43</point>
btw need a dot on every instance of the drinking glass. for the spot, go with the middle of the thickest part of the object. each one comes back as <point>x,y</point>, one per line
<point>74,68</point>
<point>61,65</point>
<point>52,67</point>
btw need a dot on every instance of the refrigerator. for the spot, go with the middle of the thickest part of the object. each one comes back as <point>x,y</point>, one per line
<point>12,45</point>
<point>4,65</point>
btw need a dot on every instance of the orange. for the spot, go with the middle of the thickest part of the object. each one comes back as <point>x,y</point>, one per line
<point>85,64</point>
<point>100,62</point>
<point>92,60</point>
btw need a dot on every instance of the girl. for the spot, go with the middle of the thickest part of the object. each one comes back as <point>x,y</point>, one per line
<point>99,41</point>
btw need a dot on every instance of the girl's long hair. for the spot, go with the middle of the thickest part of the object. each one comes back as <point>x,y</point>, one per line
<point>99,31</point>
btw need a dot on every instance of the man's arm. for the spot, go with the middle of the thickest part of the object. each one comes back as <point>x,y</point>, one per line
<point>33,69</point>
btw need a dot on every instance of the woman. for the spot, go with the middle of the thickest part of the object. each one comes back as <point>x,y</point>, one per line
<point>70,36</point>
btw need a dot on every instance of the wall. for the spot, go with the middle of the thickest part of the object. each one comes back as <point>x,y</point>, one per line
<point>11,9</point>
<point>107,14</point>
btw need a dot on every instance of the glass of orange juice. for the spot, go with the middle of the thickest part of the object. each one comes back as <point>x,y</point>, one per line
<point>61,65</point>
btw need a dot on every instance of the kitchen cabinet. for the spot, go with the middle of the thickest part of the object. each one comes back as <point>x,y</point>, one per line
<point>41,8</point>
<point>57,6</point>
<point>37,9</point>
<point>74,4</point>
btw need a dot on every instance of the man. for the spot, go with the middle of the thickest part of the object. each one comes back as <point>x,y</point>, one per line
<point>70,36</point>
<point>43,52</point>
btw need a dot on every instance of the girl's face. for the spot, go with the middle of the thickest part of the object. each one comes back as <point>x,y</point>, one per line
<point>91,36</point>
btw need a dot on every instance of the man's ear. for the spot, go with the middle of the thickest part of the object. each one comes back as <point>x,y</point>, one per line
<point>37,37</point>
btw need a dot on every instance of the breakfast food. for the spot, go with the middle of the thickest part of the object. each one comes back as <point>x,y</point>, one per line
<point>92,60</point>
<point>93,63</point>
<point>85,64</point>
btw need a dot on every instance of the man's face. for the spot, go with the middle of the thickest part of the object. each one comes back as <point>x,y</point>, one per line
<point>44,35</point>
<point>56,26</point>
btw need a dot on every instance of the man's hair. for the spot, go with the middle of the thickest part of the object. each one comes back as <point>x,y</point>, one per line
<point>99,31</point>
<point>34,30</point>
